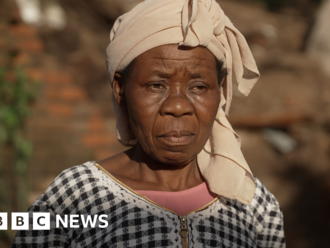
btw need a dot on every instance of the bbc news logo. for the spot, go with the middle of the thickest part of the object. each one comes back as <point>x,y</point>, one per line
<point>20,221</point>
<point>41,221</point>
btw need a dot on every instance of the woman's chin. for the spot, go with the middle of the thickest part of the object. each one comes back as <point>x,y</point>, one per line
<point>173,151</point>
<point>175,158</point>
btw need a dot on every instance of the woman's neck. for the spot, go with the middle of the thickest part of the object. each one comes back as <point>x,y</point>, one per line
<point>141,172</point>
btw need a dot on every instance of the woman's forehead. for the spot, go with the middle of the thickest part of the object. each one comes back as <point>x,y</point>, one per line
<point>177,53</point>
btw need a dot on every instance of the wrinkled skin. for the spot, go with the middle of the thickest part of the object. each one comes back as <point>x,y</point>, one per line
<point>172,97</point>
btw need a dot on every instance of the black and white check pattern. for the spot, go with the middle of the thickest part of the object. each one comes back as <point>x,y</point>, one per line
<point>136,222</point>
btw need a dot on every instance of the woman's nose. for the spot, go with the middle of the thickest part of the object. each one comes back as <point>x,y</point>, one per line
<point>177,105</point>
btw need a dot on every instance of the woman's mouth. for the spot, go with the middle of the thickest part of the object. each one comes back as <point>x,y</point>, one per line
<point>180,137</point>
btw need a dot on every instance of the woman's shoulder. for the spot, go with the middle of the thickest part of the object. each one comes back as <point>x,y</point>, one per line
<point>264,205</point>
<point>269,217</point>
<point>263,197</point>
<point>73,178</point>
<point>74,187</point>
<point>263,215</point>
<point>77,173</point>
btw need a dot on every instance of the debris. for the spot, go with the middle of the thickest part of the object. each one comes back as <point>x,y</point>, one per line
<point>269,31</point>
<point>279,140</point>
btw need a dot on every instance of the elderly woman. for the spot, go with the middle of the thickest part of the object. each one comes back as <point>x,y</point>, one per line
<point>184,182</point>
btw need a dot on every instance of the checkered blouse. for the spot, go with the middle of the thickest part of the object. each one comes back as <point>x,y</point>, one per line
<point>135,221</point>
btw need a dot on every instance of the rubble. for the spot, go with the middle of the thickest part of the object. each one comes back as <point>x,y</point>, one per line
<point>280,140</point>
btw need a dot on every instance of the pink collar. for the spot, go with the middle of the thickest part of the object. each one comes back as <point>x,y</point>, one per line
<point>181,202</point>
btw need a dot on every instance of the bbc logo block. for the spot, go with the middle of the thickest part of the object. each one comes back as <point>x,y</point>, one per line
<point>41,221</point>
<point>19,221</point>
<point>3,221</point>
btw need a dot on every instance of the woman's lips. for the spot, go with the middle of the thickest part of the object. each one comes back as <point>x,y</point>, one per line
<point>180,137</point>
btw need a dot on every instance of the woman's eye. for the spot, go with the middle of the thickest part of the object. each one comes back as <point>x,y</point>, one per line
<point>156,86</point>
<point>198,88</point>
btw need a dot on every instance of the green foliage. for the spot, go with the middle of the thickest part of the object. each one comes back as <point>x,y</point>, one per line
<point>15,98</point>
<point>16,95</point>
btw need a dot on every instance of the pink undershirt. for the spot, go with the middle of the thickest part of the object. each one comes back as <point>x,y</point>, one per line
<point>181,202</point>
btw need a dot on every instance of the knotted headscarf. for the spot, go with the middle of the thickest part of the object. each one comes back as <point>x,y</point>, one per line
<point>192,23</point>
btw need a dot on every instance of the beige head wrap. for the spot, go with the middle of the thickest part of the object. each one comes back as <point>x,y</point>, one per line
<point>192,23</point>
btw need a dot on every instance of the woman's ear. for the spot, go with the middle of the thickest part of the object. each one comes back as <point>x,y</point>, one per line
<point>118,88</point>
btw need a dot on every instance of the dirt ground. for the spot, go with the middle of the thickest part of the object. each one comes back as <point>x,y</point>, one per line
<point>292,97</point>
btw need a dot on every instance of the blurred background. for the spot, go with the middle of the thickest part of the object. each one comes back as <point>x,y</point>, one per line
<point>55,108</point>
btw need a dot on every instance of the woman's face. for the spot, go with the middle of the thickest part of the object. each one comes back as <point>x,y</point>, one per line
<point>172,96</point>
